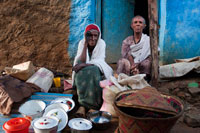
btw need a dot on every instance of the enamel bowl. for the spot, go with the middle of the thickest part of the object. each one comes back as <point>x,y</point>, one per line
<point>32,109</point>
<point>63,106</point>
<point>65,100</point>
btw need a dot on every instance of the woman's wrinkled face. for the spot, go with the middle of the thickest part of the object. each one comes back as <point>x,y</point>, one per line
<point>92,37</point>
<point>138,25</point>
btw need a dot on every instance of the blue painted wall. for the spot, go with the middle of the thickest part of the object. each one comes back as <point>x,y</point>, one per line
<point>82,13</point>
<point>116,20</point>
<point>179,35</point>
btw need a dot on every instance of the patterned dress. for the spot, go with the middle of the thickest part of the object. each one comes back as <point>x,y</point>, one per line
<point>124,65</point>
<point>88,89</point>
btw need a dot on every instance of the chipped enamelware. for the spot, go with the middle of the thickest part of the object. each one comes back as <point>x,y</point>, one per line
<point>60,114</point>
<point>65,100</point>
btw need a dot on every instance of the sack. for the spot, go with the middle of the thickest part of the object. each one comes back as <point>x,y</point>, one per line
<point>135,82</point>
<point>178,69</point>
<point>21,71</point>
<point>43,78</point>
<point>109,93</point>
<point>67,84</point>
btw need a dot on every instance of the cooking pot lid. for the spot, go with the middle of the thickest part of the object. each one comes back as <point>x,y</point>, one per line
<point>16,124</point>
<point>60,114</point>
<point>80,124</point>
<point>45,122</point>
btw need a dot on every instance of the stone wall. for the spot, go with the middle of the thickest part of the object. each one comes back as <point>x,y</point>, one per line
<point>35,30</point>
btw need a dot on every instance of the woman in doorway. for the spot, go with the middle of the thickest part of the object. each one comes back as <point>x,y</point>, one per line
<point>90,68</point>
<point>136,52</point>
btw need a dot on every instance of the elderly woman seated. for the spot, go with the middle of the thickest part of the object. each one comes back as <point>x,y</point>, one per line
<point>90,68</point>
<point>136,58</point>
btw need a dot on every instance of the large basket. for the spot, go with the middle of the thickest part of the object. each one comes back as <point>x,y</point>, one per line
<point>133,124</point>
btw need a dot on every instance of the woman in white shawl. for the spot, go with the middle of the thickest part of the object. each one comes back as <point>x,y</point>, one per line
<point>136,52</point>
<point>90,68</point>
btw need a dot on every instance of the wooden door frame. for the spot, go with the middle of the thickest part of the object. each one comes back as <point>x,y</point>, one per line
<point>153,33</point>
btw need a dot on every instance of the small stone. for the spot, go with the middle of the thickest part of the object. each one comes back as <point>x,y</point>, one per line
<point>193,84</point>
<point>194,90</point>
<point>181,94</point>
<point>187,95</point>
<point>192,120</point>
<point>175,91</point>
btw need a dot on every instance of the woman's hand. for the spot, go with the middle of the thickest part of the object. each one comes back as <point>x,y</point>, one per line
<point>80,66</point>
<point>134,69</point>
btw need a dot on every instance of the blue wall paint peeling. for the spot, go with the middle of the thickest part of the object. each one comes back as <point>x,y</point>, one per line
<point>82,13</point>
<point>180,29</point>
<point>162,22</point>
<point>116,20</point>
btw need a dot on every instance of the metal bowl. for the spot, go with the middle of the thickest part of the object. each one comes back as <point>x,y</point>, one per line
<point>100,119</point>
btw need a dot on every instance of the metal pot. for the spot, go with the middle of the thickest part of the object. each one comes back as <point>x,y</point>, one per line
<point>45,125</point>
<point>101,120</point>
<point>80,125</point>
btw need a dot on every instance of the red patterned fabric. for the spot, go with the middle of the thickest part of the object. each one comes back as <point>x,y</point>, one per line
<point>149,99</point>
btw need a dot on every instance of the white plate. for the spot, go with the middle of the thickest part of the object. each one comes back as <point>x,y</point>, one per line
<point>57,105</point>
<point>65,100</point>
<point>60,114</point>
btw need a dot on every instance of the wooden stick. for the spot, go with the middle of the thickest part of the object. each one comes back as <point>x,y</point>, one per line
<point>153,32</point>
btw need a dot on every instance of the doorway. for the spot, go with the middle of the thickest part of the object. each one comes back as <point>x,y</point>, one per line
<point>116,18</point>
<point>141,8</point>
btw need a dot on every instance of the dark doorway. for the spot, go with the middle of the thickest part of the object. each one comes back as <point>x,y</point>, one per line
<point>141,8</point>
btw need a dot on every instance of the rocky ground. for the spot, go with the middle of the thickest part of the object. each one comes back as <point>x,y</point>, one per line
<point>187,90</point>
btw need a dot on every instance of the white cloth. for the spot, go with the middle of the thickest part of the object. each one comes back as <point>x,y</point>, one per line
<point>141,50</point>
<point>97,58</point>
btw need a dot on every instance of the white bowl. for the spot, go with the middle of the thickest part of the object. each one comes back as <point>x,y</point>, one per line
<point>57,105</point>
<point>65,100</point>
<point>32,109</point>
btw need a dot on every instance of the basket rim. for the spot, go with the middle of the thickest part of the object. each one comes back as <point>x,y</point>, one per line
<point>148,118</point>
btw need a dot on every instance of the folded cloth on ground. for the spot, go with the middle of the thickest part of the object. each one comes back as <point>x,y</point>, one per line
<point>12,90</point>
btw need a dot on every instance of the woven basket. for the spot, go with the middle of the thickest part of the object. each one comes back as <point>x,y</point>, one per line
<point>133,124</point>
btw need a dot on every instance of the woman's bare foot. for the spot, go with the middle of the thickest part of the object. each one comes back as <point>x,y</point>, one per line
<point>80,113</point>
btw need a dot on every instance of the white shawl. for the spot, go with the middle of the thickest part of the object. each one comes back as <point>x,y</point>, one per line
<point>141,50</point>
<point>97,58</point>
